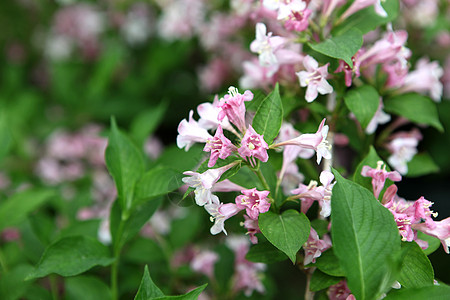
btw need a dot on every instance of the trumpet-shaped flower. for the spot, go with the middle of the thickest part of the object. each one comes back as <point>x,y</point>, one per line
<point>314,78</point>
<point>220,213</point>
<point>379,176</point>
<point>254,202</point>
<point>219,146</point>
<point>190,132</point>
<point>265,45</point>
<point>315,246</point>
<point>232,106</point>
<point>253,145</point>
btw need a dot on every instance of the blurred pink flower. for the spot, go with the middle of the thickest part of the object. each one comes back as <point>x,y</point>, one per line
<point>314,247</point>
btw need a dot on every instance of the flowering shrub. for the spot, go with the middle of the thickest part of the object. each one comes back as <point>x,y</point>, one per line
<point>290,182</point>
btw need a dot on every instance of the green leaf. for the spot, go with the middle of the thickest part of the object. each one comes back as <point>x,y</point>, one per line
<point>184,230</point>
<point>12,284</point>
<point>266,253</point>
<point>367,19</point>
<point>416,270</point>
<point>180,159</point>
<point>269,116</point>
<point>125,164</point>
<point>422,164</point>
<point>433,243</point>
<point>430,292</point>
<point>416,108</point>
<point>142,251</point>
<point>15,209</point>
<point>363,102</point>
<point>71,256</point>
<point>328,263</point>
<point>5,134</point>
<point>288,231</point>
<point>320,226</point>
<point>157,182</point>
<point>148,289</point>
<point>86,288</point>
<point>365,238</point>
<point>320,281</point>
<point>342,46</point>
<point>192,295</point>
<point>145,123</point>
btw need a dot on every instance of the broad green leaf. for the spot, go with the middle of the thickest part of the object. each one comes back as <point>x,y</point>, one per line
<point>269,116</point>
<point>125,164</point>
<point>416,270</point>
<point>258,98</point>
<point>422,164</point>
<point>192,295</point>
<point>363,102</point>
<point>71,256</point>
<point>182,160</point>
<point>146,122</point>
<point>288,231</point>
<point>144,251</point>
<point>266,253</point>
<point>86,288</point>
<point>157,182</point>
<point>342,46</point>
<point>441,292</point>
<point>184,230</point>
<point>367,19</point>
<point>416,108</point>
<point>15,209</point>
<point>433,243</point>
<point>365,238</point>
<point>328,263</point>
<point>148,289</point>
<point>320,281</point>
<point>320,226</point>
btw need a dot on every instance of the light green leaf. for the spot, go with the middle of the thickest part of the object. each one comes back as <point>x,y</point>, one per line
<point>86,288</point>
<point>148,289</point>
<point>422,164</point>
<point>12,284</point>
<point>433,243</point>
<point>320,281</point>
<point>157,182</point>
<point>15,209</point>
<point>363,102</point>
<point>365,238</point>
<point>342,46</point>
<point>71,256</point>
<point>430,292</point>
<point>416,108</point>
<point>125,164</point>
<point>266,253</point>
<point>269,116</point>
<point>367,19</point>
<point>416,270</point>
<point>288,231</point>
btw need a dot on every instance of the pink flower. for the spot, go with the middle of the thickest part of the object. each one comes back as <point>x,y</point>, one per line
<point>403,148</point>
<point>396,72</point>
<point>314,78</point>
<point>190,133</point>
<point>252,227</point>
<point>291,178</point>
<point>253,145</point>
<point>339,291</point>
<point>308,194</point>
<point>440,230</point>
<point>254,202</point>
<point>233,107</point>
<point>203,262</point>
<point>344,67</point>
<point>209,116</point>
<point>316,141</point>
<point>220,213</point>
<point>219,146</point>
<point>203,182</point>
<point>214,74</point>
<point>226,186</point>
<point>425,79</point>
<point>326,177</point>
<point>314,247</point>
<point>256,75</point>
<point>265,45</point>
<point>298,21</point>
<point>380,117</point>
<point>379,176</point>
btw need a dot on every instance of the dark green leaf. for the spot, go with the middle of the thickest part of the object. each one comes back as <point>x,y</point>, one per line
<point>12,284</point>
<point>342,46</point>
<point>365,238</point>
<point>5,134</point>
<point>416,108</point>
<point>433,243</point>
<point>86,288</point>
<point>269,116</point>
<point>328,263</point>
<point>363,102</point>
<point>182,160</point>
<point>288,231</point>
<point>422,164</point>
<point>192,295</point>
<point>148,289</point>
<point>146,122</point>
<point>71,256</point>
<point>320,226</point>
<point>15,209</point>
<point>184,230</point>
<point>320,281</point>
<point>416,270</point>
<point>266,253</point>
<point>157,182</point>
<point>430,292</point>
<point>144,251</point>
<point>125,164</point>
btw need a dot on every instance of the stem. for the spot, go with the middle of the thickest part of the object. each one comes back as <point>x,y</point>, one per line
<point>115,266</point>
<point>309,295</point>
<point>3,262</point>
<point>54,287</point>
<point>262,179</point>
